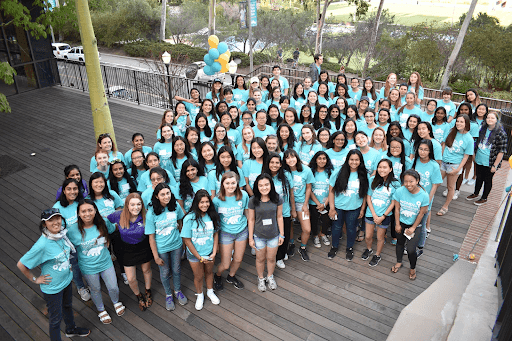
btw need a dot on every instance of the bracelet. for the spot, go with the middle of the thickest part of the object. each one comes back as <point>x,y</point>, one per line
<point>281,236</point>
<point>201,260</point>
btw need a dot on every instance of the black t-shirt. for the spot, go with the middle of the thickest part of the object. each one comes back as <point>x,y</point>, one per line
<point>265,224</point>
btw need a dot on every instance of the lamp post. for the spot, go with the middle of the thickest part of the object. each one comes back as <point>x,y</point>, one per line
<point>232,70</point>
<point>166,59</point>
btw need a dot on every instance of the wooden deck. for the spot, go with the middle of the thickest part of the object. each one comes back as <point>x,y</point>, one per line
<point>319,300</point>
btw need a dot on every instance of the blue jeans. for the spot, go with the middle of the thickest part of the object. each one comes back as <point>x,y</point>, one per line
<point>110,280</point>
<point>350,219</point>
<point>423,230</point>
<point>172,262</point>
<point>60,306</point>
<point>77,274</point>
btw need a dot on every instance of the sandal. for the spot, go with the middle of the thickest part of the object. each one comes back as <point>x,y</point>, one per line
<point>120,308</point>
<point>442,211</point>
<point>360,236</point>
<point>142,302</point>
<point>149,298</point>
<point>105,317</point>
<point>395,268</point>
<point>412,274</point>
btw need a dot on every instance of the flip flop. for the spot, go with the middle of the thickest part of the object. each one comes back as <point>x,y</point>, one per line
<point>395,269</point>
<point>412,275</point>
<point>442,211</point>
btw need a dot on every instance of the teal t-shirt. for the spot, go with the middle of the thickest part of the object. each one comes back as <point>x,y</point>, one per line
<point>462,144</point>
<point>410,204</point>
<point>300,181</point>
<point>449,107</point>
<point>430,174</point>
<point>214,181</point>
<point>307,151</point>
<point>381,197</point>
<point>337,158</point>
<point>483,151</point>
<point>176,170</point>
<point>108,206</point>
<point>398,167</point>
<point>241,155</point>
<point>123,186</point>
<point>202,183</point>
<point>371,159</point>
<point>240,95</point>
<point>404,115</point>
<point>251,170</point>
<point>440,131</point>
<point>297,103</point>
<point>165,228</point>
<point>192,109</point>
<point>235,138</point>
<point>164,151</point>
<point>263,134</point>
<point>53,257</point>
<point>349,199</point>
<point>128,155</point>
<point>111,157</point>
<point>297,130</point>
<point>145,181</point>
<point>320,187</point>
<point>92,252</point>
<point>231,212</point>
<point>69,213</point>
<point>201,235</point>
<point>279,189</point>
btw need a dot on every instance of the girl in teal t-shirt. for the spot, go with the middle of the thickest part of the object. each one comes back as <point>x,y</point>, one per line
<point>192,179</point>
<point>231,204</point>
<point>164,147</point>
<point>162,226</point>
<point>120,181</point>
<point>411,203</point>
<point>200,235</point>
<point>396,154</point>
<point>307,146</point>
<point>224,162</point>
<point>243,150</point>
<point>253,167</point>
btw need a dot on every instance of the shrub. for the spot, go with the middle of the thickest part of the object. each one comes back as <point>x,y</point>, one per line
<point>180,53</point>
<point>462,86</point>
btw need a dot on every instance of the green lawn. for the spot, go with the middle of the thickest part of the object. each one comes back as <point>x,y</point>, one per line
<point>407,14</point>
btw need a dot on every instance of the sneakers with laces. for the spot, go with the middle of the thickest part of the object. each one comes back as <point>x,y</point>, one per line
<point>456,195</point>
<point>375,260</point>
<point>77,331</point>
<point>445,193</point>
<point>471,182</point>
<point>236,283</point>
<point>169,303</point>
<point>272,285</point>
<point>280,264</point>
<point>472,197</point>
<point>366,254</point>
<point>316,242</point>
<point>304,254</point>
<point>211,295</point>
<point>262,284</point>
<point>325,240</point>
<point>350,254</point>
<point>291,250</point>
<point>199,301</point>
<point>332,252</point>
<point>217,283</point>
<point>85,295</point>
<point>182,300</point>
<point>125,278</point>
<point>419,253</point>
<point>285,256</point>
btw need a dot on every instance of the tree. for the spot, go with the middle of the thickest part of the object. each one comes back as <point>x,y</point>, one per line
<point>162,20</point>
<point>373,40</point>
<point>187,19</point>
<point>458,44</point>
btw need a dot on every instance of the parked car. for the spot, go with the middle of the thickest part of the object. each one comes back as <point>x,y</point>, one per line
<point>119,92</point>
<point>60,50</point>
<point>76,54</point>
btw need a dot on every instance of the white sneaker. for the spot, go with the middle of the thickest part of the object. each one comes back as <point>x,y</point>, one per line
<point>285,256</point>
<point>262,284</point>
<point>125,278</point>
<point>456,195</point>
<point>471,182</point>
<point>325,240</point>
<point>464,181</point>
<point>253,251</point>
<point>316,242</point>
<point>445,193</point>
<point>84,294</point>
<point>280,264</point>
<point>199,301</point>
<point>272,285</point>
<point>211,295</point>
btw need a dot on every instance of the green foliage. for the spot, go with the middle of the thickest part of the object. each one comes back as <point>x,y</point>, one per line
<point>180,53</point>
<point>258,58</point>
<point>481,20</point>
<point>462,85</point>
<point>7,75</point>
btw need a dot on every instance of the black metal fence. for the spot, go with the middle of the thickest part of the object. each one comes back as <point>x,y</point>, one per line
<point>503,328</point>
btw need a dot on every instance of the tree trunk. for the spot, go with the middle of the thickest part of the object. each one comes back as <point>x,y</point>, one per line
<point>163,18</point>
<point>211,18</point>
<point>458,44</point>
<point>373,39</point>
<point>99,104</point>
<point>320,24</point>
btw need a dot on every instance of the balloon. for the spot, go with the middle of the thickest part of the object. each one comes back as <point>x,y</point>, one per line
<point>214,54</point>
<point>213,41</point>
<point>223,58</point>
<point>225,68</point>
<point>207,59</point>
<point>216,67</point>
<point>222,47</point>
<point>227,53</point>
<point>208,70</point>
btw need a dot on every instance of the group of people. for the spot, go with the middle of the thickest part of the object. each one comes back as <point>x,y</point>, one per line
<point>244,164</point>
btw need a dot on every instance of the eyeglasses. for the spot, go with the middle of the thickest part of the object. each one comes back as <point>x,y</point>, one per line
<point>247,118</point>
<point>160,178</point>
<point>137,157</point>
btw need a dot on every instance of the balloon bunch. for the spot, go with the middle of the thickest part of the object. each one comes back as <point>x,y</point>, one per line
<point>217,58</point>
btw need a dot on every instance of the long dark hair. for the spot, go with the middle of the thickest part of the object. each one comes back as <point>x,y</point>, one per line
<point>155,202</point>
<point>105,193</point>
<point>207,130</point>
<point>219,168</point>
<point>200,158</point>
<point>162,139</point>
<point>174,155</point>
<point>211,212</point>
<point>453,132</point>
<point>379,180</point>
<point>288,153</point>
<point>295,96</point>
<point>263,146</point>
<point>291,136</point>
<point>185,185</point>
<point>316,120</point>
<point>329,168</point>
<point>114,183</point>
<point>430,151</point>
<point>434,119</point>
<point>273,196</point>
<point>133,168</point>
<point>414,136</point>
<point>68,170</point>
<point>418,139</point>
<point>388,134</point>
<point>197,145</point>
<point>330,144</point>
<point>280,173</point>
<point>483,130</point>
<point>98,220</point>
<point>337,120</point>
<point>402,153</point>
<point>341,183</point>
<point>279,119</point>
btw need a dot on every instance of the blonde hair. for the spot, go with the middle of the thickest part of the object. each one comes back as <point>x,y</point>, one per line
<point>384,144</point>
<point>222,193</point>
<point>124,219</point>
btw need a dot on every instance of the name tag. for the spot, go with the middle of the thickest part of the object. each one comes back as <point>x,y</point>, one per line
<point>171,215</point>
<point>267,222</point>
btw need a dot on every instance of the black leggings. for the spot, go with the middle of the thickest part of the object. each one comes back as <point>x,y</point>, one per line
<point>411,245</point>
<point>117,248</point>
<point>281,251</point>
<point>392,225</point>
<point>316,219</point>
<point>483,177</point>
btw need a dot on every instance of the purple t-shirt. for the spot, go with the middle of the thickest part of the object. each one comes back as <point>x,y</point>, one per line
<point>132,235</point>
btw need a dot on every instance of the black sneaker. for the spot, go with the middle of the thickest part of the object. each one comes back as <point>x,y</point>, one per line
<point>299,239</point>
<point>217,283</point>
<point>375,260</point>
<point>366,254</point>
<point>350,254</point>
<point>332,252</point>
<point>78,331</point>
<point>236,283</point>
<point>304,254</point>
<point>291,250</point>
<point>419,253</point>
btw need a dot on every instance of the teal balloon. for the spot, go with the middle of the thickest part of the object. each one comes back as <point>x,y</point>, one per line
<point>214,54</point>
<point>222,47</point>
<point>208,60</point>
<point>216,67</point>
<point>208,70</point>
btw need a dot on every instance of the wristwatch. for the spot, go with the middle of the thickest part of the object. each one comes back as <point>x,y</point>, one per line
<point>34,279</point>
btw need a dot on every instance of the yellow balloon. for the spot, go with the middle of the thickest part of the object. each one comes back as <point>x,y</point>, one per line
<point>510,161</point>
<point>227,53</point>
<point>225,68</point>
<point>223,58</point>
<point>213,41</point>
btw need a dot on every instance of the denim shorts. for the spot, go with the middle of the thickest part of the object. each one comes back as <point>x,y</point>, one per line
<point>260,243</point>
<point>226,238</point>
<point>385,223</point>
<point>298,206</point>
<point>448,167</point>
<point>191,258</point>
